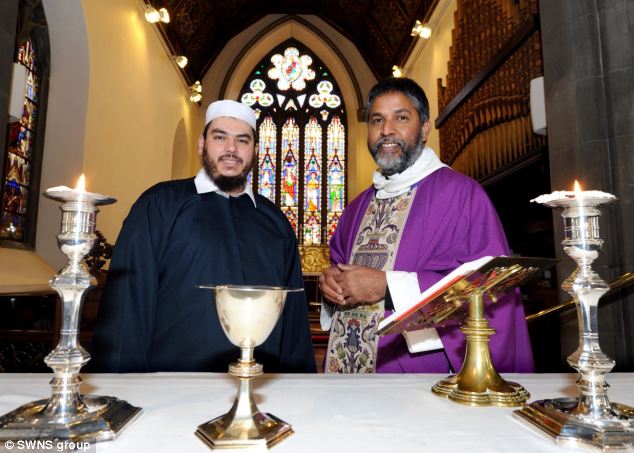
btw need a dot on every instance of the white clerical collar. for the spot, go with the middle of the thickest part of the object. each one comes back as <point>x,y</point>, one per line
<point>399,183</point>
<point>204,184</point>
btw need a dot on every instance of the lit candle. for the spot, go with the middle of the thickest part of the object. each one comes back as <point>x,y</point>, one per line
<point>574,197</point>
<point>81,184</point>
<point>80,215</point>
<point>80,187</point>
<point>581,219</point>
<point>582,229</point>
<point>79,210</point>
<point>78,194</point>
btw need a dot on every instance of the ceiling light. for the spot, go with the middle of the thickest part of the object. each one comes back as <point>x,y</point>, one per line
<point>397,71</point>
<point>181,61</point>
<point>151,14</point>
<point>195,92</point>
<point>421,30</point>
<point>164,15</point>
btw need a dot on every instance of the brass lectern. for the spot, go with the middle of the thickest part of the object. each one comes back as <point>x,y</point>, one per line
<point>477,383</point>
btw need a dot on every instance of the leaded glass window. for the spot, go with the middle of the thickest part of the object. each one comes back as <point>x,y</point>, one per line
<point>17,182</point>
<point>302,139</point>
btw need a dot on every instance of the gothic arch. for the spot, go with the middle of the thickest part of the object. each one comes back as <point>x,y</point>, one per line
<point>279,26</point>
<point>225,78</point>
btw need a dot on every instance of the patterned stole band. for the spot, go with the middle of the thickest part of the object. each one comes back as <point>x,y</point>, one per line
<point>353,342</point>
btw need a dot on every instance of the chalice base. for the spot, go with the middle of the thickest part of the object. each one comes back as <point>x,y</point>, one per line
<point>99,418</point>
<point>556,420</point>
<point>227,431</point>
<point>493,392</point>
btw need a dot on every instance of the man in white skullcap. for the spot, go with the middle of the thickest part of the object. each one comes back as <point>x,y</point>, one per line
<point>210,229</point>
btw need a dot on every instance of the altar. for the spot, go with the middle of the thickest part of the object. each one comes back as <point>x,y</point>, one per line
<point>329,413</point>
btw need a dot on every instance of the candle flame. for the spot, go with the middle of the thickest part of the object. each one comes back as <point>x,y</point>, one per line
<point>577,187</point>
<point>81,184</point>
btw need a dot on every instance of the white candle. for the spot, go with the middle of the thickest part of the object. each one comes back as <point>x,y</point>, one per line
<point>79,193</point>
<point>59,189</point>
<point>80,188</point>
<point>81,184</point>
<point>577,195</point>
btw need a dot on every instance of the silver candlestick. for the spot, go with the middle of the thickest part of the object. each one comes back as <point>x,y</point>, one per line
<point>247,315</point>
<point>590,421</point>
<point>67,414</point>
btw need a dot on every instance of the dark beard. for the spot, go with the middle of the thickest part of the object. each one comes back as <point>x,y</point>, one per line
<point>227,184</point>
<point>410,154</point>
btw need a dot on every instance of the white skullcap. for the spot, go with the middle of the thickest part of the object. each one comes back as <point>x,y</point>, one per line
<point>231,109</point>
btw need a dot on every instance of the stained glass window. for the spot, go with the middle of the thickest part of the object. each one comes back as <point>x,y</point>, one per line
<point>336,173</point>
<point>290,170</point>
<point>267,162</point>
<point>312,182</point>
<point>18,165</point>
<point>302,139</point>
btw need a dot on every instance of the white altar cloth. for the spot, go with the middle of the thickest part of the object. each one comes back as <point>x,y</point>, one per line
<point>329,413</point>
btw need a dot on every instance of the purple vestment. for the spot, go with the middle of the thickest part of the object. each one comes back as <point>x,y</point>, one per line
<point>452,221</point>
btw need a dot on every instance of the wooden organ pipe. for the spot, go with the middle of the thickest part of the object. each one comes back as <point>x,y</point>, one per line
<point>490,127</point>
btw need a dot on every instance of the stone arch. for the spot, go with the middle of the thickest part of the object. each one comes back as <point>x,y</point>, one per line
<point>180,152</point>
<point>226,76</point>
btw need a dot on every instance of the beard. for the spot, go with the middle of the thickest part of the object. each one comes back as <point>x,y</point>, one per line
<point>390,165</point>
<point>227,184</point>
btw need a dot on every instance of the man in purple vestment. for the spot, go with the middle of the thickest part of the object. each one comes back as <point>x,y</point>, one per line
<point>446,219</point>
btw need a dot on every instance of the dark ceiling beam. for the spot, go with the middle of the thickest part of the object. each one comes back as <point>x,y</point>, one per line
<point>380,29</point>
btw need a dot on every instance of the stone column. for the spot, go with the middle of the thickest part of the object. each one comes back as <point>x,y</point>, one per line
<point>588,49</point>
<point>8,23</point>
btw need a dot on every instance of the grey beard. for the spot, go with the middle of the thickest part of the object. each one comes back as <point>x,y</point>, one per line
<point>389,165</point>
<point>225,183</point>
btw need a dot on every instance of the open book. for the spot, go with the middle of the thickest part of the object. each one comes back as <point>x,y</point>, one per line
<point>443,303</point>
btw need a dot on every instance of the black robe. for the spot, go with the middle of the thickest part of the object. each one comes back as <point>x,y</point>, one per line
<point>152,316</point>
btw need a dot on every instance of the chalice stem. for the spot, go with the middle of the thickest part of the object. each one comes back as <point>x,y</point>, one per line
<point>245,408</point>
<point>246,355</point>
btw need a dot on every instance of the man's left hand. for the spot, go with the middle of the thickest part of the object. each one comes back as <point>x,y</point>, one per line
<point>361,285</point>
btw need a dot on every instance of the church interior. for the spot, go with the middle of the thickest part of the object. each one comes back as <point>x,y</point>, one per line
<point>525,97</point>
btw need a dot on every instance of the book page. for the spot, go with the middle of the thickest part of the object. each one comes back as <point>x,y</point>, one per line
<point>437,288</point>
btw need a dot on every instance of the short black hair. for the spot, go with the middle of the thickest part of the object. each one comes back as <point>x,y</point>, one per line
<point>400,85</point>
<point>205,130</point>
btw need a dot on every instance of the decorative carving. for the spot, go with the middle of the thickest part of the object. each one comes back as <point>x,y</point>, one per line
<point>23,357</point>
<point>314,258</point>
<point>99,253</point>
<point>201,28</point>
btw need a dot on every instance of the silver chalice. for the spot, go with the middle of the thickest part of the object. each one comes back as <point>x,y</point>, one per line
<point>247,314</point>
